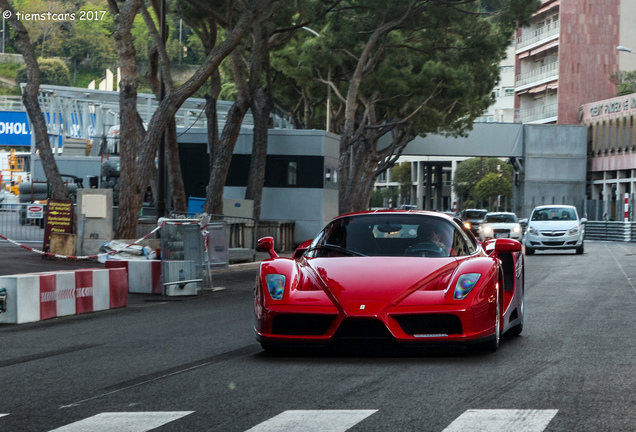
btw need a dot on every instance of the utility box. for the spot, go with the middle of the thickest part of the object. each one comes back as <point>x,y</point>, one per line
<point>94,219</point>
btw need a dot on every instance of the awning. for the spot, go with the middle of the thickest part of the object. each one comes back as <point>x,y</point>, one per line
<point>538,89</point>
<point>553,86</point>
<point>545,47</point>
<point>547,7</point>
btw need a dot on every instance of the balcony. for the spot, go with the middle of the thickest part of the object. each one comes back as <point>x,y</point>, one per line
<point>543,74</point>
<point>537,114</point>
<point>538,36</point>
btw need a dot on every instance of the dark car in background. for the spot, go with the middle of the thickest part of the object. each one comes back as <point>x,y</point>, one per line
<point>473,219</point>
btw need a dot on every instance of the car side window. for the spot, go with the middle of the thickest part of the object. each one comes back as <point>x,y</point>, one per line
<point>462,244</point>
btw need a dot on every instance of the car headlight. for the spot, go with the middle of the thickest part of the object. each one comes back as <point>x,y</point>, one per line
<point>574,230</point>
<point>487,229</point>
<point>465,284</point>
<point>467,225</point>
<point>275,285</point>
<point>516,229</point>
<point>533,231</point>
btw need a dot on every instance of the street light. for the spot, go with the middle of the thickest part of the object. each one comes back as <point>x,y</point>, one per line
<point>328,126</point>
<point>624,49</point>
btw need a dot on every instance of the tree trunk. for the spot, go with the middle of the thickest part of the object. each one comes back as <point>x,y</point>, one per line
<point>32,105</point>
<point>130,188</point>
<point>262,105</point>
<point>179,201</point>
<point>223,156</point>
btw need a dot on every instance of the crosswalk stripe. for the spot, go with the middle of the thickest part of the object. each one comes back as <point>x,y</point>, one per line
<point>124,421</point>
<point>498,419</point>
<point>313,420</point>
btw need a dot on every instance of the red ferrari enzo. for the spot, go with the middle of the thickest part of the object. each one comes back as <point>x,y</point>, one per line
<point>414,277</point>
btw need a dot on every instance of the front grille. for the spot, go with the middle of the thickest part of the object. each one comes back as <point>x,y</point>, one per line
<point>553,243</point>
<point>363,328</point>
<point>552,233</point>
<point>429,324</point>
<point>301,324</point>
<point>502,231</point>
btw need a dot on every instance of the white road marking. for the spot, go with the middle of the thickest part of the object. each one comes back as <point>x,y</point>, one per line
<point>124,421</point>
<point>621,267</point>
<point>2,415</point>
<point>313,421</point>
<point>502,420</point>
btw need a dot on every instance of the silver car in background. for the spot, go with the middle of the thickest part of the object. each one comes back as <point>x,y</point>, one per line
<point>554,227</point>
<point>500,225</point>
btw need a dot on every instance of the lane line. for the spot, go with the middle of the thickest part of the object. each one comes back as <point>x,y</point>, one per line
<point>502,420</point>
<point>313,421</point>
<point>124,422</point>
<point>2,415</point>
<point>621,267</point>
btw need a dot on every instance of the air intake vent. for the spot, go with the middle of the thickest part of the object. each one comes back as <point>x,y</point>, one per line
<point>302,324</point>
<point>427,324</point>
<point>363,329</point>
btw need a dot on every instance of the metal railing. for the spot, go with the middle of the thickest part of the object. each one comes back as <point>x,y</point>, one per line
<point>538,35</point>
<point>15,225</point>
<point>544,72</point>
<point>538,113</point>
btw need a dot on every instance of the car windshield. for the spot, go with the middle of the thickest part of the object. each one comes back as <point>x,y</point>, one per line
<point>391,234</point>
<point>474,214</point>
<point>554,213</point>
<point>501,218</point>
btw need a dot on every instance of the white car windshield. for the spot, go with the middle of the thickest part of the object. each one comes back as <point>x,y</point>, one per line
<point>554,213</point>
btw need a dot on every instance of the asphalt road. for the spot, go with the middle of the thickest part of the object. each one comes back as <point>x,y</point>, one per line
<point>193,365</point>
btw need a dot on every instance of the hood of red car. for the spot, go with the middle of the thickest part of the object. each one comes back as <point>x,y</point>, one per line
<point>366,285</point>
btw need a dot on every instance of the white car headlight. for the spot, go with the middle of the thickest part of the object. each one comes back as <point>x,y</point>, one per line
<point>487,229</point>
<point>533,231</point>
<point>574,230</point>
<point>516,229</point>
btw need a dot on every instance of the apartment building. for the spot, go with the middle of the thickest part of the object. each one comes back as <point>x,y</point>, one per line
<point>565,57</point>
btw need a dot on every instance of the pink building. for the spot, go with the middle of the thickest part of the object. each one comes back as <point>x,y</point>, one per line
<point>564,59</point>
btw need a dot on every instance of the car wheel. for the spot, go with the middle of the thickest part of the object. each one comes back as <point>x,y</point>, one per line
<point>580,249</point>
<point>529,251</point>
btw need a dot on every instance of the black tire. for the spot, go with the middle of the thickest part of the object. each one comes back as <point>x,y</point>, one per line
<point>529,251</point>
<point>580,249</point>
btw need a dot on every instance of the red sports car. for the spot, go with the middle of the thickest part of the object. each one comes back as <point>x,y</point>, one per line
<point>414,277</point>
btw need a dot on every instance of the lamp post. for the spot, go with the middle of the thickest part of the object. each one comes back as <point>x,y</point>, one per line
<point>624,49</point>
<point>328,125</point>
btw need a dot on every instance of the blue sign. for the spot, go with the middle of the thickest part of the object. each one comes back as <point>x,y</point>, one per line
<point>15,131</point>
<point>14,128</point>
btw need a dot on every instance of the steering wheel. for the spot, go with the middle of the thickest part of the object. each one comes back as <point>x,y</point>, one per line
<point>425,250</point>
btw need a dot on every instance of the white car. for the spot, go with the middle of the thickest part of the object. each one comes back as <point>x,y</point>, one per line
<point>500,225</point>
<point>554,227</point>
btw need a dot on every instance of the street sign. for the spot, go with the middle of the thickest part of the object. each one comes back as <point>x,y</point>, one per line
<point>35,211</point>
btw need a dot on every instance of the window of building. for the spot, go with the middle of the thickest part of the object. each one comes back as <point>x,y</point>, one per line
<point>509,91</point>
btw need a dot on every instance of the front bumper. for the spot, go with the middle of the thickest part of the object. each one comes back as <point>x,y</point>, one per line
<point>542,242</point>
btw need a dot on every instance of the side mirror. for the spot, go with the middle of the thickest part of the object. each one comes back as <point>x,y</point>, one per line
<point>583,220</point>
<point>507,245</point>
<point>266,244</point>
<point>523,221</point>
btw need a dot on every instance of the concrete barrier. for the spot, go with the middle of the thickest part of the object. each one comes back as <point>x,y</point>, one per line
<point>41,296</point>
<point>144,276</point>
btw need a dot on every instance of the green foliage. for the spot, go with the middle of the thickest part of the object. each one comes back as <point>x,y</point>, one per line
<point>401,173</point>
<point>52,71</point>
<point>625,82</point>
<point>492,186</point>
<point>8,70</point>
<point>470,172</point>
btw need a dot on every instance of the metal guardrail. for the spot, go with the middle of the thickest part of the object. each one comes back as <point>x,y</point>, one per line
<point>610,231</point>
<point>15,225</point>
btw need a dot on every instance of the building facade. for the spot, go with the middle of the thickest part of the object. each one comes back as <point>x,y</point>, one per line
<point>566,55</point>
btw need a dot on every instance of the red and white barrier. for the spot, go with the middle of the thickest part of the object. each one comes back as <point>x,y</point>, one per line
<point>144,276</point>
<point>40,296</point>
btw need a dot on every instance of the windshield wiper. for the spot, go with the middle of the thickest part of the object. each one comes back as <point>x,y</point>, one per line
<point>339,249</point>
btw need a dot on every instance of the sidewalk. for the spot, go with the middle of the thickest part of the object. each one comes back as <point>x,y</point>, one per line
<point>16,260</point>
